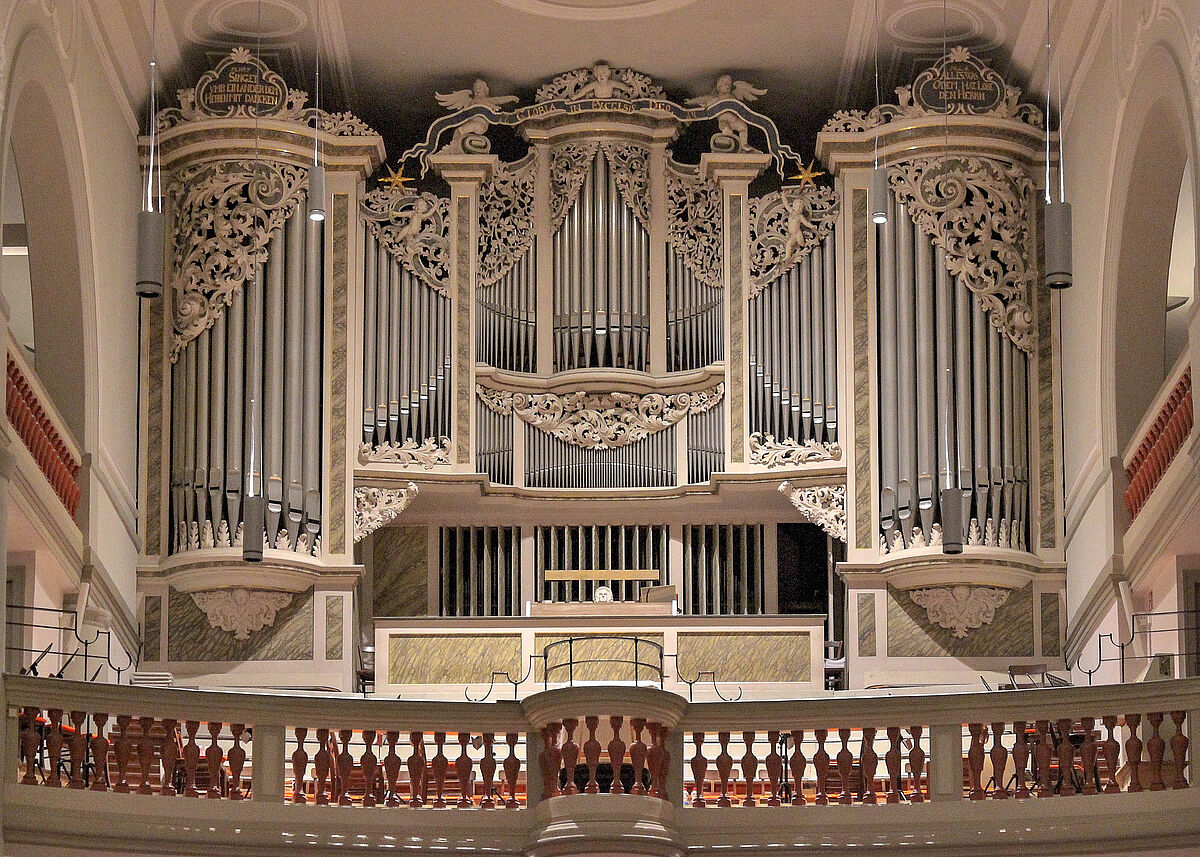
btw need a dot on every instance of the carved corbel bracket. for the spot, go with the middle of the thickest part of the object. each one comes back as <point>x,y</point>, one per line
<point>824,505</point>
<point>241,611</point>
<point>376,507</point>
<point>960,608</point>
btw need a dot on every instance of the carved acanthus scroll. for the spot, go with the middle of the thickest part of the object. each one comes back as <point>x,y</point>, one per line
<point>824,505</point>
<point>225,215</point>
<point>784,228</point>
<point>241,611</point>
<point>980,211</point>
<point>569,164</point>
<point>377,507</point>
<point>695,225</point>
<point>505,219</point>
<point>599,81</point>
<point>428,455</point>
<point>766,451</point>
<point>414,228</point>
<point>960,608</point>
<point>600,420</point>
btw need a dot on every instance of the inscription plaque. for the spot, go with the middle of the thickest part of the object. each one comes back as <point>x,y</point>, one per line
<point>241,85</point>
<point>959,83</point>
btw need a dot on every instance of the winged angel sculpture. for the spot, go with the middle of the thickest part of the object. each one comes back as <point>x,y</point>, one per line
<point>474,128</point>
<point>729,122</point>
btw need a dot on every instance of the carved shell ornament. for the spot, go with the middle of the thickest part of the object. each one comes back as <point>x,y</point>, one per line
<point>241,611</point>
<point>785,226</point>
<point>414,228</point>
<point>960,608</point>
<point>600,420</point>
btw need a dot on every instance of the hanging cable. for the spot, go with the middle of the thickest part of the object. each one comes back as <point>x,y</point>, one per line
<point>316,176</point>
<point>877,191</point>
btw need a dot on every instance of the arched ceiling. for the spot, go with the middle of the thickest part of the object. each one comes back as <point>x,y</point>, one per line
<point>384,59</point>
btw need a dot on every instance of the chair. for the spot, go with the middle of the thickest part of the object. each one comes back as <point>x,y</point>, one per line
<point>366,669</point>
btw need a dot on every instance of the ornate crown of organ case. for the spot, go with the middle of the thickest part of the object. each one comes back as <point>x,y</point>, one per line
<point>597,369</point>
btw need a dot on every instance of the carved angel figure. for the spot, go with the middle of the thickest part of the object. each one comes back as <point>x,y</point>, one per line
<point>479,94</point>
<point>730,123</point>
<point>799,224</point>
<point>603,86</point>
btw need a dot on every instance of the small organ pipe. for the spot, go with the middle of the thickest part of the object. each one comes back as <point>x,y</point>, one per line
<point>801,283</point>
<point>189,436</point>
<point>312,382</point>
<point>906,380</point>
<point>979,403</point>
<point>370,285</point>
<point>235,429</point>
<point>293,400</point>
<point>217,422</point>
<point>199,476</point>
<point>962,387</point>
<point>926,380</point>
<point>829,329</point>
<point>273,387</point>
<point>995,452</point>
<point>887,373</point>
<point>944,369</point>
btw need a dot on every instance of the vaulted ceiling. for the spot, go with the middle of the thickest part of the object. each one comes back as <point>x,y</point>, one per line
<point>384,59</point>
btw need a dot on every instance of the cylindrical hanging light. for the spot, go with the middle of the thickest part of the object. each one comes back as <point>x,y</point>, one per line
<point>877,195</point>
<point>316,193</point>
<point>150,254</point>
<point>952,520</point>
<point>1058,245</point>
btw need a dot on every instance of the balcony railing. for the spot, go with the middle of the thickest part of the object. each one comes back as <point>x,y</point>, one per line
<point>42,429</point>
<point>1167,425</point>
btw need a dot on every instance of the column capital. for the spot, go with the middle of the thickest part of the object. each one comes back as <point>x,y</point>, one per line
<point>733,167</point>
<point>464,169</point>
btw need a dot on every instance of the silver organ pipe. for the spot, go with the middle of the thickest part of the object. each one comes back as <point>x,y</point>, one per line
<point>723,569</point>
<point>257,371</point>
<point>705,444</point>
<point>695,318</point>
<point>505,318</point>
<point>494,445</point>
<point>601,279</point>
<point>594,549</point>
<point>792,348</point>
<point>953,401</point>
<point>370,284</point>
<point>480,571</point>
<point>552,463</point>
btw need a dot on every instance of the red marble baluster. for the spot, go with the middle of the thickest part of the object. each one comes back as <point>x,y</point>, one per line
<point>870,762</point>
<point>1133,752</point>
<point>1179,748</point>
<point>462,772</point>
<point>975,761</point>
<point>322,762</point>
<point>416,769</point>
<point>213,758</point>
<point>591,754</point>
<point>570,755</point>
<point>1042,754</point>
<point>191,759</point>
<point>237,760</point>
<point>798,763</point>
<point>553,760</point>
<point>100,754</point>
<point>77,744</point>
<point>337,782</point>
<point>999,757</point>
<point>699,766</point>
<point>749,764</point>
<point>299,766</point>
<point>345,767</point>
<point>1066,758</point>
<point>663,773</point>
<point>1112,753</point>
<point>1087,755</point>
<point>892,760</point>
<point>169,751</point>
<point>31,742</point>
<point>391,770</point>
<point>147,762</point>
<point>1157,748</point>
<point>487,768</point>
<point>724,767</point>
<point>916,763</point>
<point>1020,757</point>
<point>54,745</point>
<point>512,769</point>
<point>616,754</point>
<point>774,763</point>
<point>440,764</point>
<point>637,755</point>
<point>654,761</point>
<point>369,764</point>
<point>123,752</point>
<point>821,763</point>
<point>845,765</point>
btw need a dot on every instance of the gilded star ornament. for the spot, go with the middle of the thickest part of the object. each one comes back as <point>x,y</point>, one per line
<point>396,179</point>
<point>807,175</point>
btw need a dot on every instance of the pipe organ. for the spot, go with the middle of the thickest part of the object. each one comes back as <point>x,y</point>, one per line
<point>599,320</point>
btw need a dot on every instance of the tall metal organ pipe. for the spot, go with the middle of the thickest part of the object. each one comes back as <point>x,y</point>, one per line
<point>952,402</point>
<point>255,372</point>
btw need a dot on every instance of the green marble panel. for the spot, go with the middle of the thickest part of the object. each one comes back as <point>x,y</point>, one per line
<point>862,379</point>
<point>333,627</point>
<point>400,571</point>
<point>336,511</point>
<point>911,635</point>
<point>737,306</point>
<point>1051,630</point>
<point>190,637</point>
<point>152,629</point>
<point>866,625</point>
<point>598,657</point>
<point>452,658</point>
<point>746,655</point>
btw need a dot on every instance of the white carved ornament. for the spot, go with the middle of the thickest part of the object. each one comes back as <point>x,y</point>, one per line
<point>241,611</point>
<point>600,420</point>
<point>766,451</point>
<point>429,454</point>
<point>225,215</point>
<point>599,81</point>
<point>980,211</point>
<point>960,608</point>
<point>505,219</point>
<point>785,226</point>
<point>569,164</point>
<point>376,507</point>
<point>823,505</point>
<point>695,225</point>
<point>414,228</point>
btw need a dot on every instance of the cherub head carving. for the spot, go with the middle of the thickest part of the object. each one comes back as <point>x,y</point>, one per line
<point>602,71</point>
<point>724,85</point>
